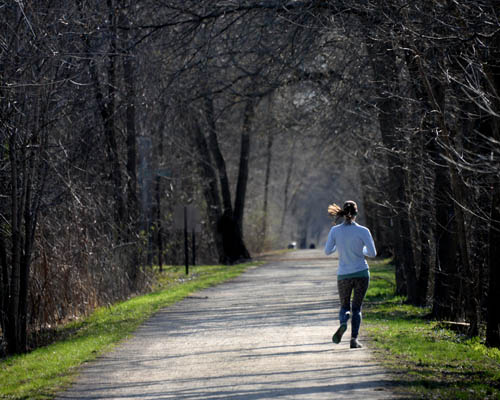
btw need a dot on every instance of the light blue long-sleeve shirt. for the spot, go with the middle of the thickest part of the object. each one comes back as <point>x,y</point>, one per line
<point>353,242</point>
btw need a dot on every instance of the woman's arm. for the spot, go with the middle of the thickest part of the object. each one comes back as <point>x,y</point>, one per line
<point>330,243</point>
<point>369,250</point>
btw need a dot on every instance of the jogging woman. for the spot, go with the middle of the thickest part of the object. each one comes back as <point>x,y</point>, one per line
<point>353,242</point>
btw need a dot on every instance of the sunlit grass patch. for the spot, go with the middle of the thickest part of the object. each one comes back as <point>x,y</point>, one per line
<point>427,360</point>
<point>382,284</point>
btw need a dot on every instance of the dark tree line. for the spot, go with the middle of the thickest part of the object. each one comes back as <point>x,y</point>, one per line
<point>257,112</point>
<point>435,75</point>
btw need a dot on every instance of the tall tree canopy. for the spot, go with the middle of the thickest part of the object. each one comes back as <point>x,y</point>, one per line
<point>258,113</point>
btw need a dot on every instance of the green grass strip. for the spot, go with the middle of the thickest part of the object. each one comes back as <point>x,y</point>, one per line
<point>45,371</point>
<point>427,360</point>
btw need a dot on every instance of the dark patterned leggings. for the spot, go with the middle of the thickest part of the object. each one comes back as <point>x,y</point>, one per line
<point>346,287</point>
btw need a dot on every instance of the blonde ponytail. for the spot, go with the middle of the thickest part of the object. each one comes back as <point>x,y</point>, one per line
<point>334,210</point>
<point>349,211</point>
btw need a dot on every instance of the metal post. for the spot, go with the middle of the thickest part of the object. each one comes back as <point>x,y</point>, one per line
<point>186,252</point>
<point>194,246</point>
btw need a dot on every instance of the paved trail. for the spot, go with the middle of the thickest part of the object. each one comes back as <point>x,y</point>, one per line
<point>264,335</point>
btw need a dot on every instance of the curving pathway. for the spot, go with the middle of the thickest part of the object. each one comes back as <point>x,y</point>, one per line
<point>264,335</point>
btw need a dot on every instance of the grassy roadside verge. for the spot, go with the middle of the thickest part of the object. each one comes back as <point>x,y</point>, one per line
<point>428,361</point>
<point>43,372</point>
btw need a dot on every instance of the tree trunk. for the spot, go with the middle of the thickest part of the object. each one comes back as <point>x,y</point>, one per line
<point>289,170</point>
<point>266,186</point>
<point>159,222</point>
<point>493,301</point>
<point>241,187</point>
<point>106,111</point>
<point>431,93</point>
<point>209,184</point>
<point>445,276</point>
<point>435,94</point>
<point>428,232</point>
<point>132,200</point>
<point>213,146</point>
<point>384,69</point>
<point>446,293</point>
<point>26,258</point>
<point>4,297</point>
<point>234,248</point>
<point>12,333</point>
<point>425,262</point>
